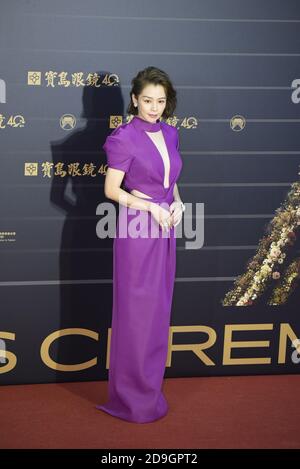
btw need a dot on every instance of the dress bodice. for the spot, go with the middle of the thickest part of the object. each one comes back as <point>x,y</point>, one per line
<point>149,155</point>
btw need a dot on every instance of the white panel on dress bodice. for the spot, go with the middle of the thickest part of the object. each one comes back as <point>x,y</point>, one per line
<point>159,142</point>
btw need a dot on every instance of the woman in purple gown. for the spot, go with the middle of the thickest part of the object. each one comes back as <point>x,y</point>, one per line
<point>145,151</point>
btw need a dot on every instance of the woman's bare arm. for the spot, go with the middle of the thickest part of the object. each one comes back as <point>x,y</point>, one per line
<point>176,194</point>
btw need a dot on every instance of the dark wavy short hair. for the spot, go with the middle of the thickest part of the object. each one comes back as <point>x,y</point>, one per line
<point>157,77</point>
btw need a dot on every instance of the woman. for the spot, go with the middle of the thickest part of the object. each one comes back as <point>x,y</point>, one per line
<point>145,151</point>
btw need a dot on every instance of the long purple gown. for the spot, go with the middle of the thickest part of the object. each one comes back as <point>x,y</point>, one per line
<point>143,276</point>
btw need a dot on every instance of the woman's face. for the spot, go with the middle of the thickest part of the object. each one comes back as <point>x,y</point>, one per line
<point>151,102</point>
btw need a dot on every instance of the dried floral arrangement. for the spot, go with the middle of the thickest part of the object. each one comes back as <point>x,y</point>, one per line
<point>271,266</point>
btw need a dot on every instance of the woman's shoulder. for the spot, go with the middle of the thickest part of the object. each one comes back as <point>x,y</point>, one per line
<point>118,137</point>
<point>117,149</point>
<point>169,127</point>
<point>121,131</point>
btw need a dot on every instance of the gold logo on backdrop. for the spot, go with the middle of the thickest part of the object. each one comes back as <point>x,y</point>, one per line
<point>173,120</point>
<point>237,123</point>
<point>53,78</point>
<point>115,121</point>
<point>12,121</point>
<point>60,169</point>
<point>67,121</point>
<point>185,122</point>
<point>51,338</point>
<point>34,78</point>
<point>31,169</point>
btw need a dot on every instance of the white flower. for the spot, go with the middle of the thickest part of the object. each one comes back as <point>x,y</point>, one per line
<point>265,270</point>
<point>240,303</point>
<point>275,253</point>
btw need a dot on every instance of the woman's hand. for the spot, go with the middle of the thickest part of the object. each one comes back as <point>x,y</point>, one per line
<point>176,211</point>
<point>162,216</point>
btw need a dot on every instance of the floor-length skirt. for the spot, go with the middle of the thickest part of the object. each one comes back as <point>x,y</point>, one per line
<point>143,282</point>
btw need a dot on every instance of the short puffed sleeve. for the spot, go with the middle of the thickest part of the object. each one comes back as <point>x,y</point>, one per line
<point>116,150</point>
